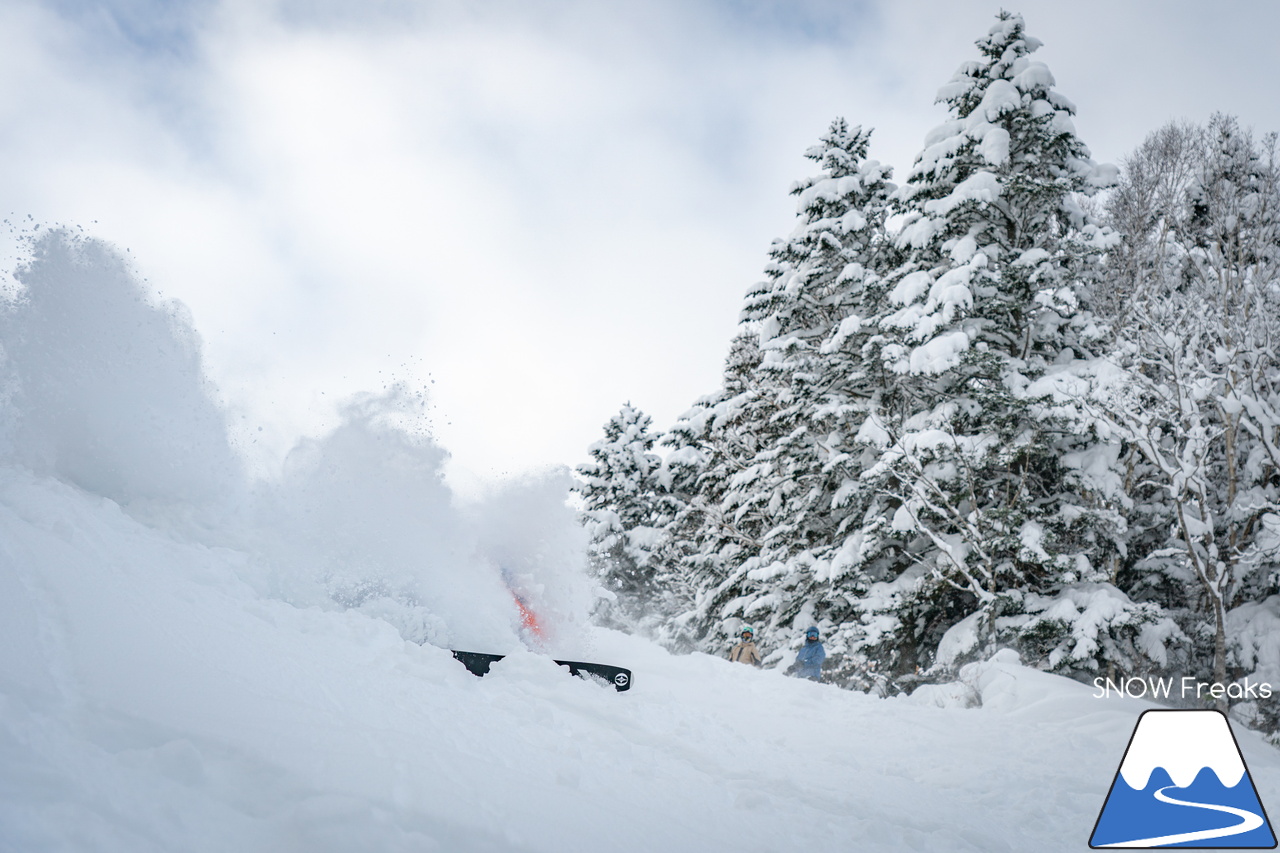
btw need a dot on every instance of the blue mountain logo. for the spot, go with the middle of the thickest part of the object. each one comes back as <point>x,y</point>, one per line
<point>1183,783</point>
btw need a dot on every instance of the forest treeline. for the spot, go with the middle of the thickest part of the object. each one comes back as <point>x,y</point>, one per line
<point>1017,400</point>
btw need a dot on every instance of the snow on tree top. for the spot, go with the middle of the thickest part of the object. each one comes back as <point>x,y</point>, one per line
<point>1035,75</point>
<point>980,187</point>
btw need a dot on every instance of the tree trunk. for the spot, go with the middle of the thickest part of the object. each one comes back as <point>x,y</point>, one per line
<point>1220,649</point>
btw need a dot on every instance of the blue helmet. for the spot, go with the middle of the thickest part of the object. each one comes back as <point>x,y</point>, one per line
<point>812,632</point>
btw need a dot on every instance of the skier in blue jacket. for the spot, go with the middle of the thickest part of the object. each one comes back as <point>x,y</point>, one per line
<point>809,661</point>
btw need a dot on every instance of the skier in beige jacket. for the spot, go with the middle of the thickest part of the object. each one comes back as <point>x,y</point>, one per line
<point>746,651</point>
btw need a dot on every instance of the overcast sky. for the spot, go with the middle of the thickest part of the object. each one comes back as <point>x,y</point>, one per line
<point>540,210</point>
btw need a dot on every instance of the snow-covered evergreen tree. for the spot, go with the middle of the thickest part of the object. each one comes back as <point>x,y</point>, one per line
<point>625,509</point>
<point>711,446</point>
<point>990,516</point>
<point>823,288</point>
<point>769,498</point>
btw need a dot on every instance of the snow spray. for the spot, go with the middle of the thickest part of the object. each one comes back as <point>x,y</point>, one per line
<point>102,386</point>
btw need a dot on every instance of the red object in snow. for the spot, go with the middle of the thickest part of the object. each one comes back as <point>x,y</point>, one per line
<point>528,620</point>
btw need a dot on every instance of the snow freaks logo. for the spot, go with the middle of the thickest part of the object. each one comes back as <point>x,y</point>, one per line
<point>1182,783</point>
<point>1162,688</point>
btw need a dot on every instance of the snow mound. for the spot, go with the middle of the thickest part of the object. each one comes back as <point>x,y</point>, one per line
<point>1002,684</point>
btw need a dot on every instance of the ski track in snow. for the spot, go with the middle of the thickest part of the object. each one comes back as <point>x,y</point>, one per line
<point>1248,821</point>
<point>154,698</point>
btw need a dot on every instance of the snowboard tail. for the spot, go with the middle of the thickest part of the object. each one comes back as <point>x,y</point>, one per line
<point>619,677</point>
<point>477,663</point>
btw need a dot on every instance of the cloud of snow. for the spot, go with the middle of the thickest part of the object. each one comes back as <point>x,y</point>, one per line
<point>108,390</point>
<point>104,389</point>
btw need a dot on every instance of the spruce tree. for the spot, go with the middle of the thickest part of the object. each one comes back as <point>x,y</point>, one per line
<point>787,567</point>
<point>624,510</point>
<point>719,525</point>
<point>988,514</point>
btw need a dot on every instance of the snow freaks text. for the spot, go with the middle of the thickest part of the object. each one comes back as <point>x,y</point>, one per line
<point>1186,688</point>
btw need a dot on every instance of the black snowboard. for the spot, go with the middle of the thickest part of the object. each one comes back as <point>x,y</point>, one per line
<point>477,663</point>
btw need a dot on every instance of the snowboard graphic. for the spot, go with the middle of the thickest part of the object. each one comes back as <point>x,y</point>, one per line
<point>1183,783</point>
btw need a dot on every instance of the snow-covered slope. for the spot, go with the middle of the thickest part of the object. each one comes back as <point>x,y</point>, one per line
<point>152,699</point>
<point>193,659</point>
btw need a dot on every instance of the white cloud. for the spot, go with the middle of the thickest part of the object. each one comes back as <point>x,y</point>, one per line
<point>550,208</point>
